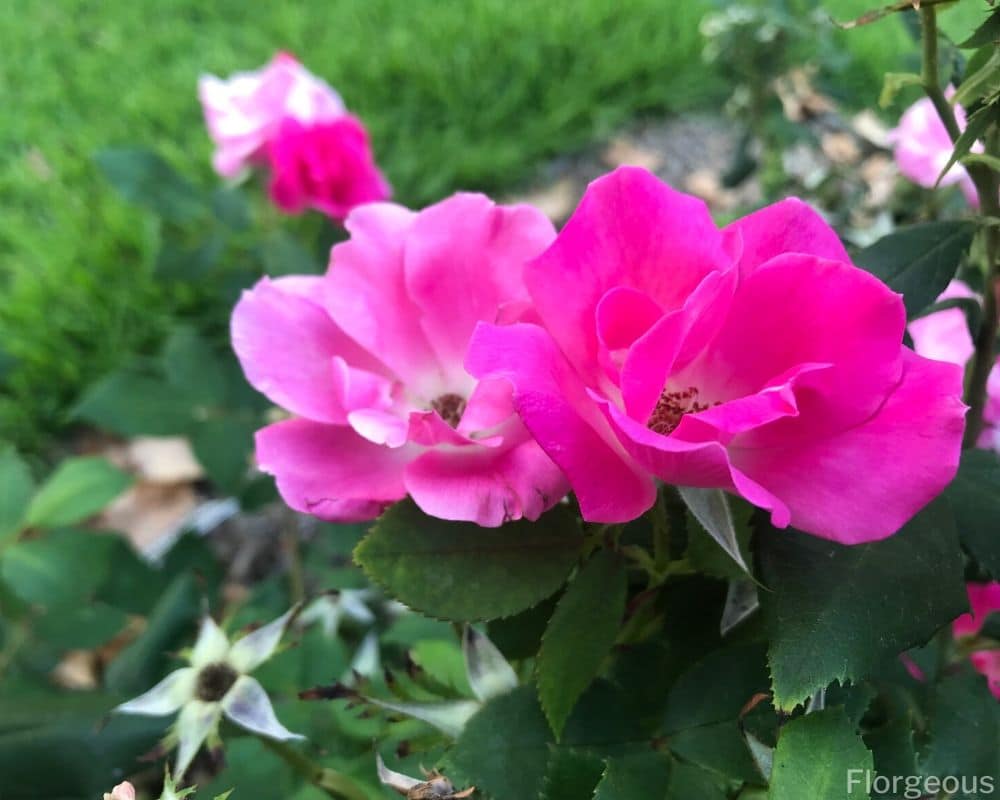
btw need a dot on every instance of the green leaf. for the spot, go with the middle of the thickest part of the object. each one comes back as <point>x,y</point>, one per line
<point>75,757</point>
<point>16,488</point>
<point>504,749</point>
<point>178,261</point>
<point>974,130</point>
<point>580,635</point>
<point>282,254</point>
<point>964,728</point>
<point>81,627</point>
<point>520,636</point>
<point>975,501</point>
<point>688,781</point>
<point>833,612</point>
<point>61,567</point>
<point>133,404</point>
<point>460,571</point>
<point>168,628</point>
<point>571,775</point>
<point>223,447</point>
<point>987,33</point>
<point>231,207</point>
<point>639,776</point>
<point>78,489</point>
<point>984,82</point>
<point>144,178</point>
<point>192,367</point>
<point>893,83</point>
<point>919,260</point>
<point>816,757</point>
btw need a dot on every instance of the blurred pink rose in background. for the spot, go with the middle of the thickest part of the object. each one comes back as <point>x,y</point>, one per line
<point>944,336</point>
<point>755,359</point>
<point>984,599</point>
<point>325,165</point>
<point>244,112</point>
<point>369,361</point>
<point>922,147</point>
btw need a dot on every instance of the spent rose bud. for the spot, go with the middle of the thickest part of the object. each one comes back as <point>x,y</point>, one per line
<point>922,148</point>
<point>326,165</point>
<point>756,359</point>
<point>369,360</point>
<point>216,683</point>
<point>244,112</point>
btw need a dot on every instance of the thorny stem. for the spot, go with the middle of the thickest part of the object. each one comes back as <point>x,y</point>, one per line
<point>985,181</point>
<point>334,783</point>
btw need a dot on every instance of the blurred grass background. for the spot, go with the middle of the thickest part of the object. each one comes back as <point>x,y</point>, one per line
<point>472,94</point>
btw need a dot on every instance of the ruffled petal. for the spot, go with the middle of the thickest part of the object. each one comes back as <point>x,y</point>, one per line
<point>555,407</point>
<point>488,486</point>
<point>293,353</point>
<point>368,298</point>
<point>790,226</point>
<point>331,472</point>
<point>865,482</point>
<point>463,260</point>
<point>630,230</point>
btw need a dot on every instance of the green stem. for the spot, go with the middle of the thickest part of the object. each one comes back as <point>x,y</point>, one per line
<point>661,534</point>
<point>335,784</point>
<point>985,181</point>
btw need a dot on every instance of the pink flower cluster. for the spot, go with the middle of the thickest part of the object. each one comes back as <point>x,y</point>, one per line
<point>471,358</point>
<point>285,118</point>
<point>984,599</point>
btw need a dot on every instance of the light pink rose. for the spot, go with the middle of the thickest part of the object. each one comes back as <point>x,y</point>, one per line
<point>922,147</point>
<point>984,599</point>
<point>325,165</point>
<point>944,336</point>
<point>754,359</point>
<point>123,791</point>
<point>369,360</point>
<point>244,112</point>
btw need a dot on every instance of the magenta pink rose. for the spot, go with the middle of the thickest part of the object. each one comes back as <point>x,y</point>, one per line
<point>368,360</point>
<point>944,336</point>
<point>984,599</point>
<point>922,148</point>
<point>244,112</point>
<point>325,165</point>
<point>755,359</point>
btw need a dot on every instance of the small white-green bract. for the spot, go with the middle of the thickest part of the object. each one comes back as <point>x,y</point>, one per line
<point>216,683</point>
<point>489,675</point>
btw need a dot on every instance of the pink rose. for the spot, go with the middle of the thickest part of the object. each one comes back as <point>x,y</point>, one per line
<point>244,112</point>
<point>944,336</point>
<point>369,361</point>
<point>326,165</point>
<point>754,359</point>
<point>922,147</point>
<point>984,599</point>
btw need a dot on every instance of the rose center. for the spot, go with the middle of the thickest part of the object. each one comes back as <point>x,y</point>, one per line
<point>450,406</point>
<point>671,407</point>
<point>214,680</point>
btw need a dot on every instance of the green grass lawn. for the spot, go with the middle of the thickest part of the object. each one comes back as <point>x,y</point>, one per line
<point>472,94</point>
